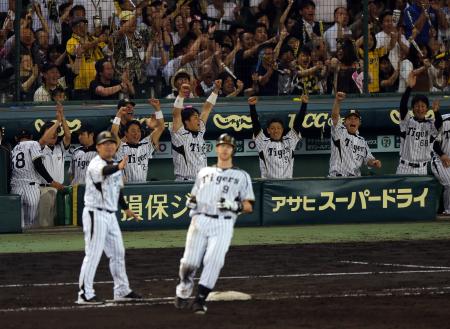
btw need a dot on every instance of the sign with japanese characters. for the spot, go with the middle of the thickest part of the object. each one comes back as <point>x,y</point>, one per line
<point>368,199</point>
<point>162,205</point>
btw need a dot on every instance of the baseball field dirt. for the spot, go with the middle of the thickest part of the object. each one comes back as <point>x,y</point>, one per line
<point>334,285</point>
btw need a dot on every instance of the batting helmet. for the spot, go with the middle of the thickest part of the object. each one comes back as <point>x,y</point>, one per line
<point>106,136</point>
<point>226,139</point>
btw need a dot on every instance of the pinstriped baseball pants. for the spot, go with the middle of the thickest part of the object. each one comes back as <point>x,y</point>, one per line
<point>30,196</point>
<point>102,233</point>
<point>443,176</point>
<point>208,240</point>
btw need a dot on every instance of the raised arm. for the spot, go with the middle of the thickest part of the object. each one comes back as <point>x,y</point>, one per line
<point>335,113</point>
<point>116,122</point>
<point>437,114</point>
<point>159,128</point>
<point>298,121</point>
<point>256,125</point>
<point>405,96</point>
<point>67,134</point>
<point>178,106</point>
<point>211,101</point>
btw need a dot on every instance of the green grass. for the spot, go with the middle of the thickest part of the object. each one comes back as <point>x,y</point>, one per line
<point>73,241</point>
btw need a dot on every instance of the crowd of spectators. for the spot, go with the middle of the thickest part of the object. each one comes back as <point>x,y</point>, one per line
<point>105,49</point>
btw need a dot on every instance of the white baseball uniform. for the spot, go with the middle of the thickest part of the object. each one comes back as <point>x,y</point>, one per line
<point>210,232</point>
<point>81,157</point>
<point>189,152</point>
<point>443,173</point>
<point>101,229</point>
<point>25,180</point>
<point>416,139</point>
<point>348,152</point>
<point>138,156</point>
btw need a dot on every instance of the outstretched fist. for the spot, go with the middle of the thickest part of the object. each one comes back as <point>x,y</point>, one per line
<point>340,96</point>
<point>218,84</point>
<point>155,103</point>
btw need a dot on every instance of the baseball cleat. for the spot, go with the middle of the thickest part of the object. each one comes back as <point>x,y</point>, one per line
<point>199,307</point>
<point>132,296</point>
<point>82,300</point>
<point>180,303</point>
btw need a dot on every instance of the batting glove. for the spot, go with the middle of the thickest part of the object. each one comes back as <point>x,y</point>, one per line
<point>235,206</point>
<point>191,202</point>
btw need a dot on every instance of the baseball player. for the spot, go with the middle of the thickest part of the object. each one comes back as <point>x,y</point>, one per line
<point>138,150</point>
<point>276,149</point>
<point>187,133</point>
<point>100,226</point>
<point>440,164</point>
<point>82,155</point>
<point>219,195</point>
<point>127,115</point>
<point>54,151</point>
<point>417,133</point>
<point>27,172</point>
<point>349,151</point>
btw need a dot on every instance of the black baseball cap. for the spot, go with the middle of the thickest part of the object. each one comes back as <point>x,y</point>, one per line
<point>106,136</point>
<point>23,133</point>
<point>124,102</point>
<point>86,127</point>
<point>353,112</point>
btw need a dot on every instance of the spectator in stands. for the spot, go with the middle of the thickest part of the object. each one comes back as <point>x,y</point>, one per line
<point>58,95</point>
<point>418,17</point>
<point>229,87</point>
<point>405,69</point>
<point>206,83</point>
<point>224,11</point>
<point>374,55</point>
<point>389,32</point>
<point>307,28</point>
<point>68,70</point>
<point>274,9</point>
<point>54,150</point>
<point>307,80</point>
<point>46,16</point>
<point>438,76</point>
<point>129,50</point>
<point>105,87</point>
<point>50,76</point>
<point>346,69</point>
<point>339,30</point>
<point>286,71</point>
<point>67,13</point>
<point>90,53</point>
<point>99,12</point>
<point>388,75</point>
<point>180,29</point>
<point>246,58</point>
<point>266,69</point>
<point>375,9</point>
<point>29,73</point>
<point>181,77</point>
<point>421,65</point>
<point>41,37</point>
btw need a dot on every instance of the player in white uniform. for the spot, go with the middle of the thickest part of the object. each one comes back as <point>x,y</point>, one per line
<point>104,182</point>
<point>187,133</point>
<point>82,156</point>
<point>276,149</point>
<point>54,150</point>
<point>417,133</point>
<point>138,150</point>
<point>27,173</point>
<point>349,151</point>
<point>219,195</point>
<point>440,165</point>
